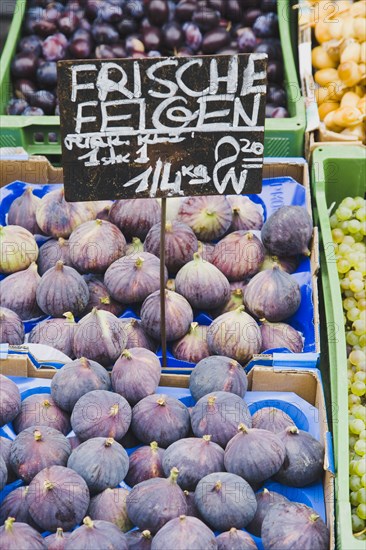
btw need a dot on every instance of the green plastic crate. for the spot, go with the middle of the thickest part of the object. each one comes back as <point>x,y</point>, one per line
<point>337,172</point>
<point>283,137</point>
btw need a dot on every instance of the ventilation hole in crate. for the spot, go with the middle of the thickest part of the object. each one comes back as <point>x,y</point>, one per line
<point>52,137</point>
<point>38,137</point>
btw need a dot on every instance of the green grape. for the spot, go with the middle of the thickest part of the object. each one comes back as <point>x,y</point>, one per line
<point>349,202</point>
<point>358,524</point>
<point>362,340</point>
<point>353,498</point>
<point>361,214</point>
<point>358,388</point>
<point>359,411</point>
<point>348,294</point>
<point>360,447</point>
<point>353,314</point>
<point>362,435</point>
<point>359,467</point>
<point>361,510</point>
<point>333,221</point>
<point>345,282</point>
<point>361,304</point>
<point>354,275</point>
<point>343,213</point>
<point>363,480</point>
<point>344,226</point>
<point>353,258</point>
<point>355,483</point>
<point>363,229</point>
<point>356,426</point>
<point>359,201</point>
<point>351,338</point>
<point>358,236</point>
<point>343,266</point>
<point>356,357</point>
<point>353,400</point>
<point>356,285</point>
<point>354,226</point>
<point>352,441</point>
<point>348,239</point>
<point>361,496</point>
<point>358,327</point>
<point>344,249</point>
<point>337,235</point>
<point>360,376</point>
<point>349,303</point>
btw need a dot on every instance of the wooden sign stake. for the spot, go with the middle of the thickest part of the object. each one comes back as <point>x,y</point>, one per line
<point>162,281</point>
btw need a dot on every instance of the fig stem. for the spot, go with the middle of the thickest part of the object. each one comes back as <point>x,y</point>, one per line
<point>9,524</point>
<point>154,446</point>
<point>293,430</point>
<point>161,401</point>
<point>139,262</point>
<point>238,292</point>
<point>168,226</point>
<point>211,400</point>
<point>209,212</point>
<point>98,221</point>
<point>233,530</point>
<point>243,428</point>
<point>236,210</point>
<point>127,354</point>
<point>59,265</point>
<point>88,522</point>
<point>197,257</point>
<point>61,241</point>
<point>174,472</point>
<point>60,532</point>
<point>69,317</point>
<point>146,534</point>
<point>182,518</point>
<point>48,485</point>
<point>109,442</point>
<point>314,517</point>
<point>136,240</point>
<point>265,491</point>
<point>84,362</point>
<point>105,300</point>
<point>46,403</point>
<point>37,435</point>
<point>218,485</point>
<point>206,437</point>
<point>113,411</point>
<point>250,236</point>
<point>240,309</point>
<point>193,327</point>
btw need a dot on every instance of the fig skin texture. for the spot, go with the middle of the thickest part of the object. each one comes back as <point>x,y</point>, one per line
<point>75,379</point>
<point>180,244</point>
<point>192,509</point>
<point>96,534</point>
<point>209,217</point>
<point>225,500</point>
<point>194,458</point>
<point>288,231</point>
<point>192,347</point>
<point>272,419</point>
<point>265,500</point>
<point>51,252</point>
<point>22,211</point>
<point>219,414</point>
<point>246,214</point>
<point>58,497</point>
<point>280,335</point>
<point>184,532</point>
<point>18,249</point>
<point>18,292</point>
<point>255,455</point>
<point>217,373</point>
<point>10,401</point>
<point>40,409</point>
<point>136,336</point>
<point>110,505</point>
<point>239,255</point>
<point>11,328</point>
<point>154,502</point>
<point>20,536</point>
<point>99,296</point>
<point>171,420</point>
<point>15,505</point>
<point>3,474</point>
<point>289,264</point>
<point>178,315</point>
<point>95,245</point>
<point>145,463</point>
<point>202,284</point>
<point>135,217</point>
<point>101,413</point>
<point>136,374</point>
<point>36,448</point>
<point>134,248</point>
<point>101,462</point>
<point>139,540</point>
<point>293,525</point>
<point>236,299</point>
<point>304,460</point>
<point>57,333</point>
<point>272,295</point>
<point>235,540</point>
<point>57,541</point>
<point>62,289</point>
<point>5,446</point>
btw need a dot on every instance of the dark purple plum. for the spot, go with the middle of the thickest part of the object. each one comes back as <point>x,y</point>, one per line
<point>288,231</point>
<point>33,111</point>
<point>96,534</point>
<point>265,500</point>
<point>266,26</point>
<point>217,373</point>
<point>10,402</point>
<point>16,106</point>
<point>276,96</point>
<point>40,409</point>
<point>173,36</point>
<point>57,541</point>
<point>272,419</point>
<point>54,47</point>
<point>44,100</point>
<point>193,36</point>
<point>185,10</point>
<point>235,540</point>
<point>246,40</point>
<point>158,12</point>
<point>24,65</point>
<point>18,535</point>
<point>31,44</point>
<point>184,532</point>
<point>214,40</point>
<point>110,505</point>
<point>145,463</point>
<point>206,18</point>
<point>139,540</point>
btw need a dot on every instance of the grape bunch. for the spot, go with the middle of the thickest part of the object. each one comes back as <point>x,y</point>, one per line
<point>106,29</point>
<point>348,225</point>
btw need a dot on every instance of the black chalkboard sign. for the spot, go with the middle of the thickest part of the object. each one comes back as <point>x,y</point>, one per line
<point>162,127</point>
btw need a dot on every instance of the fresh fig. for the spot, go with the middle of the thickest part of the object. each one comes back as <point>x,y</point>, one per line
<point>15,506</point>
<point>217,373</point>
<point>62,289</point>
<point>136,336</point>
<point>100,337</point>
<point>180,244</point>
<point>265,500</point>
<point>192,509</point>
<point>235,540</point>
<point>53,251</point>
<point>135,217</point>
<point>246,214</point>
<point>194,458</point>
<point>184,532</point>
<point>58,218</point>
<point>3,474</point>
<point>110,505</point>
<point>101,209</point>
<point>202,284</point>
<point>280,335</point>
<point>272,419</point>
<point>192,347</point>
<point>18,292</point>
<point>219,415</point>
<point>11,328</point>
<point>273,295</point>
<point>57,333</point>
<point>178,315</point>
<point>236,335</point>
<point>134,248</point>
<point>101,413</point>
<point>225,500</point>
<point>5,446</point>
<point>57,541</point>
<point>145,463</point>
<point>36,448</point>
<point>288,231</point>
<point>96,534</point>
<point>40,409</point>
<point>99,296</point>
<point>130,280</point>
<point>206,250</point>
<point>136,374</point>
<point>95,245</point>
<point>10,401</point>
<point>254,454</point>
<point>74,441</point>
<point>101,462</point>
<point>20,536</point>
<point>209,217</point>
<point>171,420</point>
<point>23,209</point>
<point>75,379</point>
<point>18,249</point>
<point>235,300</point>
<point>239,255</point>
<point>304,460</point>
<point>289,264</point>
<point>58,497</point>
<point>139,540</point>
<point>291,525</point>
<point>154,502</point>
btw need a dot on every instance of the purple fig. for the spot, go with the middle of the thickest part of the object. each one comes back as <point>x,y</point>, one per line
<point>265,500</point>
<point>192,347</point>
<point>184,532</point>
<point>246,214</point>
<point>235,540</point>
<point>139,540</point>
<point>272,419</point>
<point>10,402</point>
<point>288,231</point>
<point>288,264</point>
<point>145,463</point>
<point>40,409</point>
<point>53,251</point>
<point>17,535</point>
<point>136,374</point>
<point>180,244</point>
<point>5,446</point>
<point>280,335</point>
<point>273,295</point>
<point>101,209</point>
<point>75,379</point>
<point>57,333</point>
<point>18,249</point>
<point>239,255</point>
<point>209,217</point>
<point>192,509</point>
<point>178,315</point>
<point>134,248</point>
<point>135,217</point>
<point>235,300</point>
<point>217,373</point>
<point>110,505</point>
<point>96,534</point>
<point>57,541</point>
<point>95,245</point>
<point>23,209</point>
<point>202,284</point>
<point>11,328</point>
<point>154,502</point>
<point>136,336</point>
<point>15,505</point>
<point>206,250</point>
<point>18,292</point>
<point>171,420</point>
<point>3,473</point>
<point>99,296</point>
